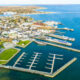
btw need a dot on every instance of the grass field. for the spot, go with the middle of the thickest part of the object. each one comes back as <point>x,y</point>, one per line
<point>23,43</point>
<point>7,54</point>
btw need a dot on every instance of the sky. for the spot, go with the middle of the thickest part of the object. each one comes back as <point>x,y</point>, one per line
<point>39,2</point>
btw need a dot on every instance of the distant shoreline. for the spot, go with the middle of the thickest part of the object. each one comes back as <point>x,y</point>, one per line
<point>25,10</point>
<point>37,13</point>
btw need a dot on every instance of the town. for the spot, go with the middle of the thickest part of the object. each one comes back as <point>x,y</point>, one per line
<point>14,29</point>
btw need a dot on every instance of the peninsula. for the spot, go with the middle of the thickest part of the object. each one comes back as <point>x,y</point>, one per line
<point>22,10</point>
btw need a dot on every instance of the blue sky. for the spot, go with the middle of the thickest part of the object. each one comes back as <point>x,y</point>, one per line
<point>39,2</point>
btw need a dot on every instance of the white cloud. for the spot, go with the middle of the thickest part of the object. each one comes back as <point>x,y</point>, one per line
<point>39,1</point>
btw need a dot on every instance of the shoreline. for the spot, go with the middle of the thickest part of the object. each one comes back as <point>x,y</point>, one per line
<point>38,13</point>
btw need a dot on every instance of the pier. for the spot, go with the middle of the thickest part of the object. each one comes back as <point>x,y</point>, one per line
<point>40,72</point>
<point>65,29</point>
<point>61,37</point>
<point>53,61</point>
<point>63,67</point>
<point>34,59</point>
<point>19,59</point>
<point>64,47</point>
<point>68,48</point>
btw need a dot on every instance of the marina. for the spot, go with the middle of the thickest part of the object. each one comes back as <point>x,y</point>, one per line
<point>41,72</point>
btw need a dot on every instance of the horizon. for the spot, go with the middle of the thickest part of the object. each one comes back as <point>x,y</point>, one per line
<point>38,2</point>
<point>33,4</point>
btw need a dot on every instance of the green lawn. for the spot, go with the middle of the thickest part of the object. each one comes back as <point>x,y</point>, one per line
<point>23,43</point>
<point>3,62</point>
<point>7,54</point>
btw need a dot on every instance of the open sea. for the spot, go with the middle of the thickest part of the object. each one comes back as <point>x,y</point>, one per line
<point>69,16</point>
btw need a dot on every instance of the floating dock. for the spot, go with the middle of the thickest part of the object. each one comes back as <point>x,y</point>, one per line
<point>33,61</point>
<point>61,37</point>
<point>40,72</point>
<point>19,58</point>
<point>63,67</point>
<point>53,57</point>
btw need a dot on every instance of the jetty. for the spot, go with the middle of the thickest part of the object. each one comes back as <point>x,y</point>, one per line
<point>64,47</point>
<point>40,72</point>
<point>56,41</point>
<point>61,37</point>
<point>65,29</point>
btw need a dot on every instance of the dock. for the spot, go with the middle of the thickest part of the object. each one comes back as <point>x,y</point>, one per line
<point>40,72</point>
<point>53,57</point>
<point>61,37</point>
<point>63,67</point>
<point>19,59</point>
<point>34,59</point>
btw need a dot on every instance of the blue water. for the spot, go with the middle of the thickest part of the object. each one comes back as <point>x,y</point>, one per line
<point>71,20</point>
